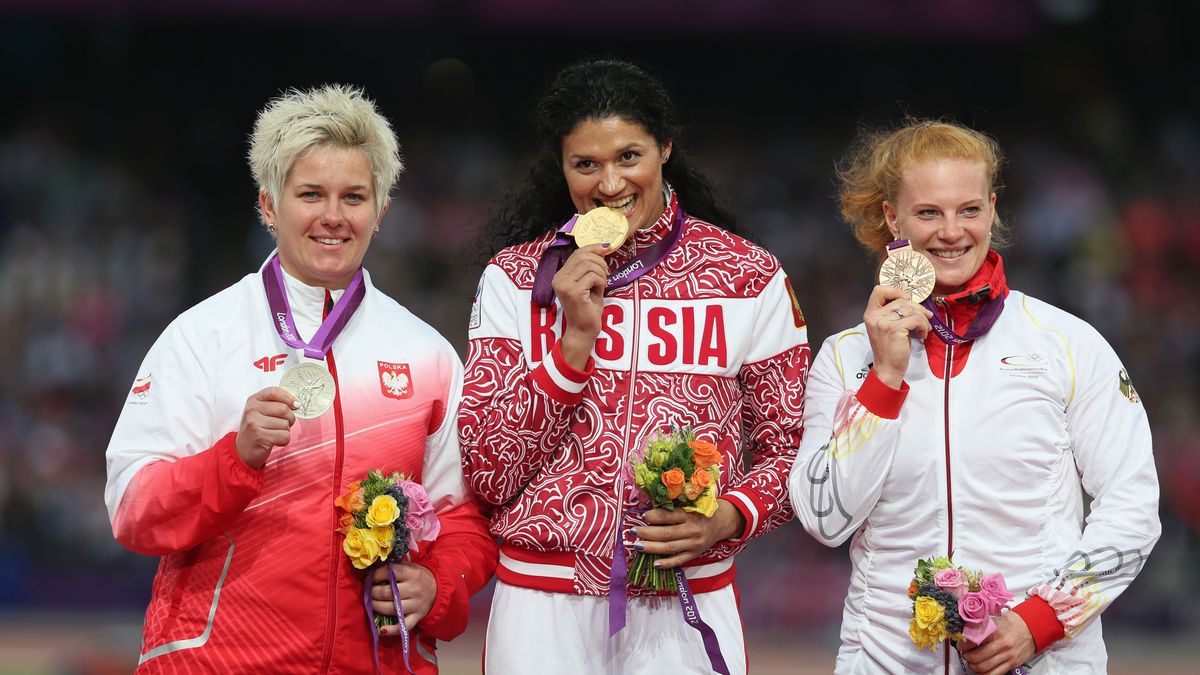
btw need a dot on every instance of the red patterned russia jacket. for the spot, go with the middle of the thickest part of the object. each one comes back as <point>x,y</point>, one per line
<point>711,338</point>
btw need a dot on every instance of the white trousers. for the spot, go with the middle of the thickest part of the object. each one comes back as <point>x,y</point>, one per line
<point>536,632</point>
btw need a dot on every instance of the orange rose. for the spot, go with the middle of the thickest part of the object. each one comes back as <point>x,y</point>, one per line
<point>345,522</point>
<point>674,480</point>
<point>699,483</point>
<point>704,454</point>
<point>352,501</point>
<point>912,589</point>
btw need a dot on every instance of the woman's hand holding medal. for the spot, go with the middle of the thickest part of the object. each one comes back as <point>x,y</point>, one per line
<point>894,311</point>
<point>890,318</point>
<point>580,283</point>
<point>579,286</point>
<point>266,422</point>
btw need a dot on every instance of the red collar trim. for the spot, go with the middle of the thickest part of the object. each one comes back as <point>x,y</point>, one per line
<point>989,282</point>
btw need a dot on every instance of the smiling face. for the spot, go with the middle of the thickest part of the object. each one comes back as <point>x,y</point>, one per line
<point>617,163</point>
<point>945,208</point>
<point>325,216</point>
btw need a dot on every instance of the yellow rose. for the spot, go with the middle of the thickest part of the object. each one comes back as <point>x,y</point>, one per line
<point>706,505</point>
<point>361,546</point>
<point>384,535</point>
<point>928,612</point>
<point>384,511</point>
<point>926,638</point>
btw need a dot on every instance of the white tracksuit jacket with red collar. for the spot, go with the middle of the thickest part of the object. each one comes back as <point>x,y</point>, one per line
<point>989,463</point>
<point>711,338</point>
<point>253,578</point>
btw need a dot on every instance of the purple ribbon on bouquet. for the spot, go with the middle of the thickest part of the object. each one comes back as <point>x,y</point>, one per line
<point>331,327</point>
<point>557,253</point>
<point>618,598</point>
<point>618,602</point>
<point>691,614</point>
<point>399,618</point>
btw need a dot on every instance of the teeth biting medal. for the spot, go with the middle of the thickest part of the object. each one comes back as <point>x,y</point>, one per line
<point>601,225</point>
<point>908,270</point>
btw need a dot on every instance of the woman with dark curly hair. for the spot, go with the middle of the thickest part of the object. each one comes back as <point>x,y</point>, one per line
<point>580,352</point>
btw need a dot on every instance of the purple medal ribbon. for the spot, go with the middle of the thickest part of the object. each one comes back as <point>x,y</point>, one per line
<point>558,252</point>
<point>983,322</point>
<point>618,602</point>
<point>691,614</point>
<point>331,327</point>
<point>617,593</point>
<point>399,617</point>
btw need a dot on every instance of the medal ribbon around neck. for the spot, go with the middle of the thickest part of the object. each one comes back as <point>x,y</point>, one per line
<point>558,252</point>
<point>331,327</point>
<point>983,322</point>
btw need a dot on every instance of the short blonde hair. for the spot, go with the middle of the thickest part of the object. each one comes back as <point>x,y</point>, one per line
<point>334,115</point>
<point>872,169</point>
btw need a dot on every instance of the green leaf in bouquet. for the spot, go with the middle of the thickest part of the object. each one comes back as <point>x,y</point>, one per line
<point>644,476</point>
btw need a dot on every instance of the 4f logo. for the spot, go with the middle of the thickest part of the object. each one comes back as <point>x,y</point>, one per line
<point>268,364</point>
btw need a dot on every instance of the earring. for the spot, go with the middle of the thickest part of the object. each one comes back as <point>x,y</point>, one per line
<point>271,228</point>
<point>375,233</point>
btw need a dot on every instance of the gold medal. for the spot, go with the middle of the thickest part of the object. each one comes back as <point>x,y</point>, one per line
<point>601,225</point>
<point>908,270</point>
<point>313,387</point>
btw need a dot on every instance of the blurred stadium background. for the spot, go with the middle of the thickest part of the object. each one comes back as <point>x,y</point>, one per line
<point>124,199</point>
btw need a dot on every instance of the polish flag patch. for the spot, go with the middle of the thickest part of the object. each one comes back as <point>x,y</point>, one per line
<point>395,380</point>
<point>140,391</point>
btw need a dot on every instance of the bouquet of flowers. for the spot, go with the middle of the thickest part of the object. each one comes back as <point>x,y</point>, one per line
<point>952,602</point>
<point>673,471</point>
<point>384,518</point>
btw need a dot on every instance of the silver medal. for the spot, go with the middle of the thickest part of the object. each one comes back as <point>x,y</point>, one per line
<point>313,387</point>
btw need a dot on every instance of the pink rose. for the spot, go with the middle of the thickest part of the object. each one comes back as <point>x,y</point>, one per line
<point>422,522</point>
<point>413,521</point>
<point>974,608</point>
<point>995,591</point>
<point>952,580</point>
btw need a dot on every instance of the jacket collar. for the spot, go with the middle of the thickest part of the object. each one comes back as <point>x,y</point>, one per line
<point>308,302</point>
<point>987,283</point>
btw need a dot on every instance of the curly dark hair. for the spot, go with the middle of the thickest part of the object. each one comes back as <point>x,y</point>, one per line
<point>596,90</point>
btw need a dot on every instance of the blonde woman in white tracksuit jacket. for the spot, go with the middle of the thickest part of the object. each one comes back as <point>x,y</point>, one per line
<point>979,445</point>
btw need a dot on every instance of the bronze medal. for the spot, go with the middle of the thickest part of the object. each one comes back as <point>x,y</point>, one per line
<point>601,225</point>
<point>313,387</point>
<point>908,270</point>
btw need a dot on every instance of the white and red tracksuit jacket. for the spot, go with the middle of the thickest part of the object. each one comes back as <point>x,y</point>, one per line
<point>990,464</point>
<point>253,578</point>
<point>711,338</point>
